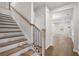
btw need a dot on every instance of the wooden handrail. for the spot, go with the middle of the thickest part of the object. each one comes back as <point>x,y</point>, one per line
<point>35,26</point>
<point>24,17</point>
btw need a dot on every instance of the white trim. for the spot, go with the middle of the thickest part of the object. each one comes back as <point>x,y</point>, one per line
<point>76,51</point>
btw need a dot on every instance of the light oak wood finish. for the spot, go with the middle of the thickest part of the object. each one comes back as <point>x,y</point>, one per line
<point>62,46</point>
<point>11,39</point>
<point>8,26</point>
<point>10,34</point>
<point>28,53</point>
<point>8,20</point>
<point>11,42</point>
<point>7,23</point>
<point>9,30</point>
<point>14,50</point>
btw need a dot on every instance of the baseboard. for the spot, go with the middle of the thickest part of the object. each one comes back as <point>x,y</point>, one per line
<point>76,51</point>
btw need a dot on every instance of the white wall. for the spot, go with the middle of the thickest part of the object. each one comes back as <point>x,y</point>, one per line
<point>39,18</point>
<point>43,21</point>
<point>4,5</point>
<point>26,9</point>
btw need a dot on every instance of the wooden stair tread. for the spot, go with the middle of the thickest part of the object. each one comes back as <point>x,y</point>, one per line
<point>11,39</point>
<point>14,50</point>
<point>6,18</point>
<point>7,21</point>
<point>4,23</point>
<point>12,42</point>
<point>9,27</point>
<point>8,24</point>
<point>10,36</point>
<point>28,53</point>
<point>10,31</point>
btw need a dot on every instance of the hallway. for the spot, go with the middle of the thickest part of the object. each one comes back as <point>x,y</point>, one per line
<point>62,46</point>
<point>39,29</point>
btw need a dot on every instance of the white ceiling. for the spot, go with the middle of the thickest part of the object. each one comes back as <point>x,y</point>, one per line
<point>64,16</point>
<point>51,5</point>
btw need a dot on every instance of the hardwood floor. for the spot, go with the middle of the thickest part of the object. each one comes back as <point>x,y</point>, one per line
<point>62,46</point>
<point>28,53</point>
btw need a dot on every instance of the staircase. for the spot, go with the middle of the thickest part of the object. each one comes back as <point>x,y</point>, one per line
<point>12,40</point>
